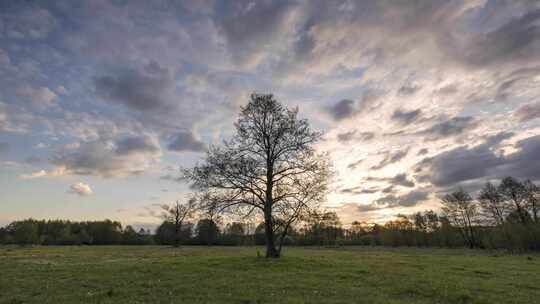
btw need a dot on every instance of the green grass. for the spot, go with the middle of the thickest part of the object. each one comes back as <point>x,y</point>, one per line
<point>124,274</point>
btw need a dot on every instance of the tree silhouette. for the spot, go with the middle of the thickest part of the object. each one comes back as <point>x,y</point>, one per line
<point>177,213</point>
<point>269,167</point>
<point>462,212</point>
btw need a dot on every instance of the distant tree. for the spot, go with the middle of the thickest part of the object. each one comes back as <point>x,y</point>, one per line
<point>177,214</point>
<point>493,204</point>
<point>269,167</point>
<point>207,232</point>
<point>24,232</point>
<point>532,193</point>
<point>514,193</point>
<point>130,236</point>
<point>462,212</point>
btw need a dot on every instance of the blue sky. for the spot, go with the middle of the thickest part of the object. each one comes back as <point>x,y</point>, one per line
<point>102,101</point>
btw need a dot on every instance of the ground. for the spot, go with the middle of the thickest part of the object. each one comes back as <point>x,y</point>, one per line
<point>153,274</point>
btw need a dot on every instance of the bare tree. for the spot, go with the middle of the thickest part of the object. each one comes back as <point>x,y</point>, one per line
<point>462,211</point>
<point>493,204</point>
<point>269,167</point>
<point>514,194</point>
<point>178,213</point>
<point>532,193</point>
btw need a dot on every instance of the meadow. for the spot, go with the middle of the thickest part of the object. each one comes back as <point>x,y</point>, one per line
<point>161,274</point>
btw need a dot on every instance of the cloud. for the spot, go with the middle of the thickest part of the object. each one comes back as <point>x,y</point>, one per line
<point>359,190</point>
<point>137,144</point>
<point>402,180</point>
<point>423,151</point>
<point>185,141</point>
<point>4,147</point>
<point>347,108</point>
<point>514,40</point>
<point>452,127</point>
<point>354,135</point>
<point>252,29</point>
<point>390,158</point>
<point>40,98</point>
<point>343,109</point>
<point>465,164</point>
<point>398,180</point>
<point>528,112</point>
<point>81,189</point>
<point>410,199</point>
<point>110,158</point>
<point>406,117</point>
<point>29,23</point>
<point>32,160</point>
<point>355,164</point>
<point>147,89</point>
<point>408,89</point>
<point>58,171</point>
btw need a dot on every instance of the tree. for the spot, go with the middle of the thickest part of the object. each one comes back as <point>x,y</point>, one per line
<point>269,167</point>
<point>207,232</point>
<point>514,194</point>
<point>532,193</point>
<point>462,212</point>
<point>177,213</point>
<point>493,204</point>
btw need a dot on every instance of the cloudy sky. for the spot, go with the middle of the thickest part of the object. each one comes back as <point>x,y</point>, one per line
<point>102,101</point>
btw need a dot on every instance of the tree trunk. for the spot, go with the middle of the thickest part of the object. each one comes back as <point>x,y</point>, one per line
<point>176,234</point>
<point>271,251</point>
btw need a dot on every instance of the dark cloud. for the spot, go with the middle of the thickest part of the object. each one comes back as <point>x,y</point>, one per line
<point>249,26</point>
<point>452,127</point>
<point>464,164</point>
<point>398,180</point>
<point>408,89</point>
<point>109,158</point>
<point>402,180</point>
<point>423,151</point>
<point>148,89</point>
<point>343,109</point>
<point>406,117</point>
<point>136,144</point>
<point>528,112</point>
<point>359,190</point>
<point>4,146</point>
<point>355,136</point>
<point>410,199</point>
<point>390,158</point>
<point>32,160</point>
<point>525,163</point>
<point>347,108</point>
<point>458,165</point>
<point>184,141</point>
<point>516,40</point>
<point>355,164</point>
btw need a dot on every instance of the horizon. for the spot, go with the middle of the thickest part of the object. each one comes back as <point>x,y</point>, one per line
<point>102,102</point>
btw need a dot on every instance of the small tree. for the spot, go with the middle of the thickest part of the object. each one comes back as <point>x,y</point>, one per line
<point>207,232</point>
<point>269,167</point>
<point>462,212</point>
<point>532,193</point>
<point>178,213</point>
<point>493,204</point>
<point>514,193</point>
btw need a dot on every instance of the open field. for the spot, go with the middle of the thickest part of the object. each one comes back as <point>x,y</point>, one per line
<point>152,274</point>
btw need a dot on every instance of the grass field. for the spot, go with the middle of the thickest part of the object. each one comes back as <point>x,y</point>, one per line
<point>124,274</point>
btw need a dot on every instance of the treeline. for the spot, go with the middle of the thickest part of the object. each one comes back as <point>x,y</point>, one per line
<point>60,232</point>
<point>503,216</point>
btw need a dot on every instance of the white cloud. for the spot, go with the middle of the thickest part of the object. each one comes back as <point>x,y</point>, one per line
<point>41,98</point>
<point>80,188</point>
<point>55,172</point>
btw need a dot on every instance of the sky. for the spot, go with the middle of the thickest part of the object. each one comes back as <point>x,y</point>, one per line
<point>102,101</point>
